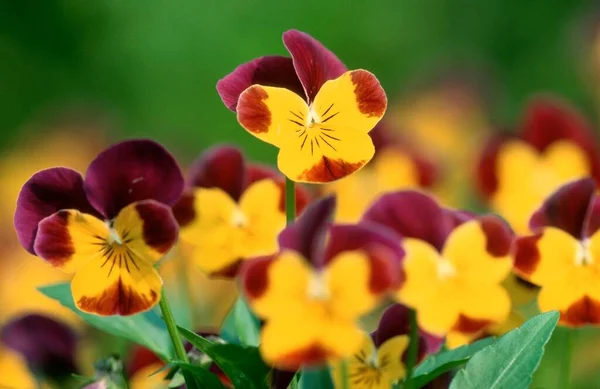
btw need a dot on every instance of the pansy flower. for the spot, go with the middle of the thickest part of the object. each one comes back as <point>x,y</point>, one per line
<point>563,254</point>
<point>454,264</point>
<point>230,211</point>
<point>109,229</point>
<point>381,361</point>
<point>310,107</point>
<point>553,145</point>
<point>311,293</point>
<point>15,373</point>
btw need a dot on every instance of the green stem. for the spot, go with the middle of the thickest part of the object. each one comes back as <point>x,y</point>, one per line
<point>290,201</point>
<point>413,349</point>
<point>172,328</point>
<point>565,374</point>
<point>344,374</point>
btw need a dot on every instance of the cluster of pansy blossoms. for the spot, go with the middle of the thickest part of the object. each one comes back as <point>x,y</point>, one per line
<point>370,242</point>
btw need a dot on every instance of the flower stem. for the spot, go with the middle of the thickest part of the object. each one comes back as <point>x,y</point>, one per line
<point>290,201</point>
<point>413,349</point>
<point>172,328</point>
<point>565,374</point>
<point>344,374</point>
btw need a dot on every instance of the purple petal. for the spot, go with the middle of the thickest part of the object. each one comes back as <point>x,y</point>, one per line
<point>593,224</point>
<point>48,346</point>
<point>313,62</point>
<point>567,209</point>
<point>459,216</point>
<point>412,214</point>
<point>221,167</point>
<point>268,71</point>
<point>381,245</point>
<point>45,193</point>
<point>307,235</point>
<point>131,171</point>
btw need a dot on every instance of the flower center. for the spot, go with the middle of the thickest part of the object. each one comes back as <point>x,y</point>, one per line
<point>583,256</point>
<point>238,218</point>
<point>113,235</point>
<point>446,269</point>
<point>317,287</point>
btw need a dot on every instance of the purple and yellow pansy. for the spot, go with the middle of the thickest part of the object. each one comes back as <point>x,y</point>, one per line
<point>311,293</point>
<point>316,112</point>
<point>108,229</point>
<point>553,145</point>
<point>231,211</point>
<point>562,255</point>
<point>381,361</point>
<point>454,266</point>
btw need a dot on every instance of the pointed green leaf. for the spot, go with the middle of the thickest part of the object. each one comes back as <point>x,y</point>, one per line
<point>146,329</point>
<point>437,364</point>
<point>509,363</point>
<point>241,326</point>
<point>242,364</point>
<point>197,377</point>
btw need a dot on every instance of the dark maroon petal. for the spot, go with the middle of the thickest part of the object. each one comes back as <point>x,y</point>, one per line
<point>131,171</point>
<point>412,214</point>
<point>160,229</point>
<point>47,345</point>
<point>567,208</point>
<point>281,379</point>
<point>314,63</point>
<point>139,358</point>
<point>268,71</point>
<point>593,223</point>
<point>307,235</point>
<point>486,174</point>
<point>257,172</point>
<point>221,167</point>
<point>527,255</point>
<point>45,193</point>
<point>254,276</point>
<point>381,135</point>
<point>184,210</point>
<point>381,245</point>
<point>459,217</point>
<point>498,234</point>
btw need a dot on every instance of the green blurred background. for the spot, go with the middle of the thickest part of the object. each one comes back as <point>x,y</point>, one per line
<point>149,68</point>
<point>152,65</point>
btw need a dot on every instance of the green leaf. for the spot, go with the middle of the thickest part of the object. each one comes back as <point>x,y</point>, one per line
<point>197,377</point>
<point>146,329</point>
<point>439,363</point>
<point>316,379</point>
<point>509,363</point>
<point>241,326</point>
<point>242,364</point>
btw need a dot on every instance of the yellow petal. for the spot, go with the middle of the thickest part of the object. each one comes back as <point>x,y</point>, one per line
<point>287,287</point>
<point>272,114</point>
<point>390,357</point>
<point>354,101</point>
<point>348,278</point>
<point>214,235</point>
<point>264,218</point>
<point>341,337</point>
<point>557,256</point>
<point>118,283</point>
<point>466,250</point>
<point>420,268</point>
<point>15,374</point>
<point>146,379</point>
<point>485,302</point>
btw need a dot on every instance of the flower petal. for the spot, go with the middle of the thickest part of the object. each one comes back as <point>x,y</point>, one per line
<point>359,368</point>
<point>567,209</point>
<point>314,63</point>
<point>45,193</point>
<point>276,285</point>
<point>390,355</point>
<point>487,165</point>
<point>132,171</point>
<point>268,71</point>
<point>116,286</point>
<point>221,167</point>
<point>271,114</point>
<point>479,250</point>
<point>381,246</point>
<point>216,241</point>
<point>148,229</point>
<point>412,214</point>
<point>257,172</point>
<point>307,234</point>
<point>485,304</point>
<point>325,156</point>
<point>355,101</point>
<point>69,238</point>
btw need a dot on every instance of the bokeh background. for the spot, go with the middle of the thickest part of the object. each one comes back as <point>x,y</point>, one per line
<point>77,75</point>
